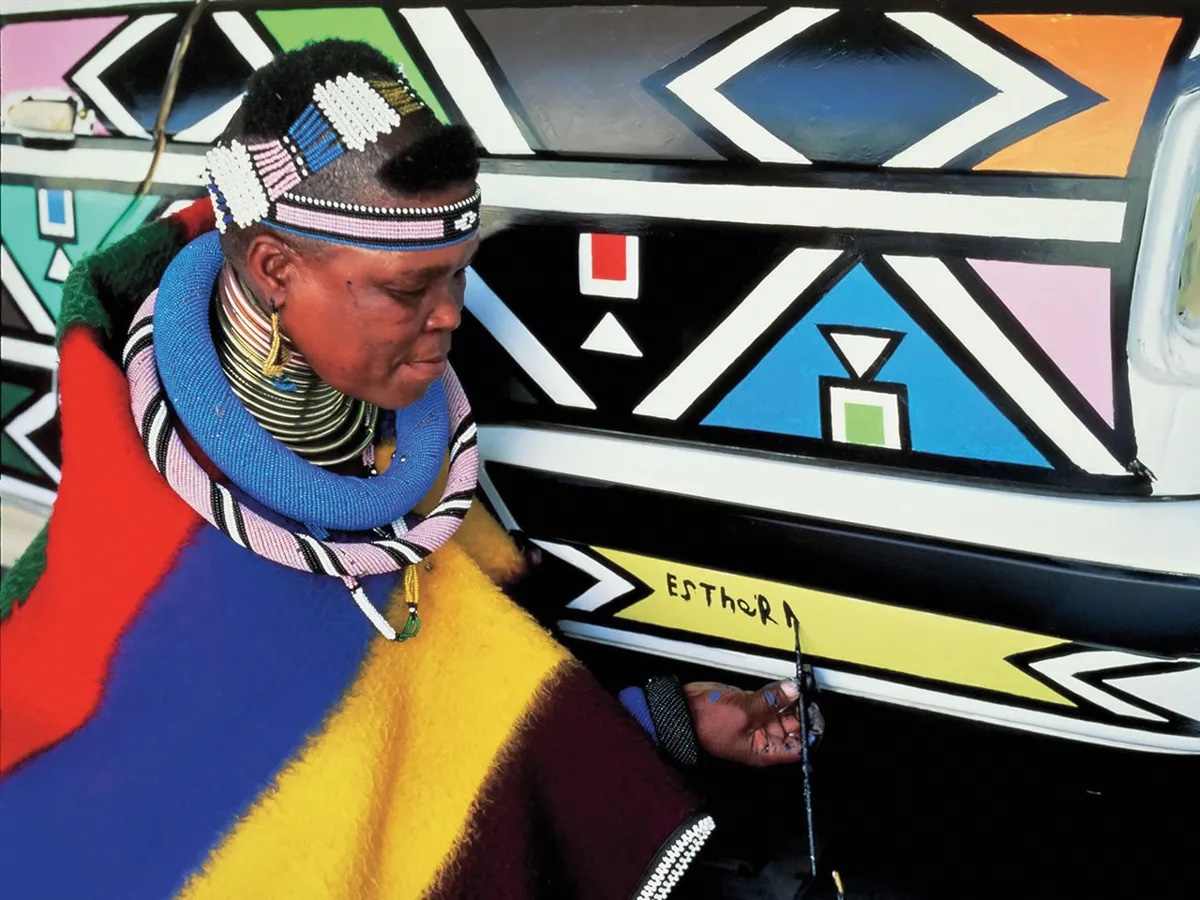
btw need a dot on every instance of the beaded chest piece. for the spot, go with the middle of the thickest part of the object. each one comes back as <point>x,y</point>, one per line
<point>250,183</point>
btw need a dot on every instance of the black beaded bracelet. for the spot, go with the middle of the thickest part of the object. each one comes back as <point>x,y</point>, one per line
<point>672,721</point>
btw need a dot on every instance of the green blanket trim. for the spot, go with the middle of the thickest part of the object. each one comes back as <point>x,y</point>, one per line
<point>18,582</point>
<point>105,289</point>
<point>102,292</point>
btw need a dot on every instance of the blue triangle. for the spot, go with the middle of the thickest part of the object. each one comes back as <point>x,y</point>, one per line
<point>948,414</point>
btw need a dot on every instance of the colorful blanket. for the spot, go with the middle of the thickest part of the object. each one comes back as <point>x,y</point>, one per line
<point>182,718</point>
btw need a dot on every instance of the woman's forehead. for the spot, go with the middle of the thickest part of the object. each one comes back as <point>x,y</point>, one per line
<point>389,265</point>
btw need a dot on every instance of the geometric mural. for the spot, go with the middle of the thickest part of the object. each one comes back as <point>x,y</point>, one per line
<point>818,90</point>
<point>723,238</point>
<point>801,377</point>
<point>292,28</point>
<point>1066,311</point>
<point>573,111</point>
<point>37,55</point>
<point>1119,57</point>
<point>800,88</point>
<point>91,214</point>
<point>859,409</point>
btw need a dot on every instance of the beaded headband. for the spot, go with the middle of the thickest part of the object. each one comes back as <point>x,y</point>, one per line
<point>255,182</point>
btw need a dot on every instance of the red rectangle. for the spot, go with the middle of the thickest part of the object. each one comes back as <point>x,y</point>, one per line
<point>608,257</point>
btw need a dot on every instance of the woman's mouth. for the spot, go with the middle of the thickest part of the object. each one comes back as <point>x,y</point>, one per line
<point>429,369</point>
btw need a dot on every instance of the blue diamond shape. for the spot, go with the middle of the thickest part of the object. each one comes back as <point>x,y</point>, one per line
<point>855,89</point>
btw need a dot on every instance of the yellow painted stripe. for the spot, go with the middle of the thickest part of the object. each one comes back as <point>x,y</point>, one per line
<point>835,627</point>
<point>378,803</point>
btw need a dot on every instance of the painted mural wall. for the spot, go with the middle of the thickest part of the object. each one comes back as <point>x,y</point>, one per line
<point>846,289</point>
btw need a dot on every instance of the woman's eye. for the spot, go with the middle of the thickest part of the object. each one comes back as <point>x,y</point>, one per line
<point>407,297</point>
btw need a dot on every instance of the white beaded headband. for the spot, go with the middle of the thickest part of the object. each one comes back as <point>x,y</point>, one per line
<point>254,183</point>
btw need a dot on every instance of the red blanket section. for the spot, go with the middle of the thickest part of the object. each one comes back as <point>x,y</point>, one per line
<point>116,529</point>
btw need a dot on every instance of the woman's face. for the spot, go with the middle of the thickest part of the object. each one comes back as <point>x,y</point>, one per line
<point>374,324</point>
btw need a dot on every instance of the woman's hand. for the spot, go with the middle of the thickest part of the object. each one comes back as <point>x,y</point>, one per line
<point>755,728</point>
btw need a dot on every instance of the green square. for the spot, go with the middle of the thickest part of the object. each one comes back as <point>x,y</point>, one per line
<point>864,424</point>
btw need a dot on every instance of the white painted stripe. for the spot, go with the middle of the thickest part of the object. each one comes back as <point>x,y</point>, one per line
<point>873,688</point>
<point>27,301</point>
<point>698,87</point>
<point>918,212</point>
<point>953,305</point>
<point>244,38</point>
<point>467,80</point>
<point>364,603</point>
<point>11,486</point>
<point>1021,92</point>
<point>27,353</point>
<point>30,421</point>
<point>1121,532</point>
<point>522,346</point>
<point>1025,218</point>
<point>255,51</point>
<point>1195,54</point>
<point>503,513</point>
<point>103,164</point>
<point>609,584</point>
<point>208,129</point>
<point>729,340</point>
<point>88,75</point>
<point>1064,669</point>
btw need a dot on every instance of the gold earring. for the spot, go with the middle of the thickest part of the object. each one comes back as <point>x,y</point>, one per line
<point>277,356</point>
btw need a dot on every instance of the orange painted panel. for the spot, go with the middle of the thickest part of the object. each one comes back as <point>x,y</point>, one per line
<point>1119,57</point>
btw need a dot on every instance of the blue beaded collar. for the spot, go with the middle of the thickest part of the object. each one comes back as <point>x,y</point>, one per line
<point>245,452</point>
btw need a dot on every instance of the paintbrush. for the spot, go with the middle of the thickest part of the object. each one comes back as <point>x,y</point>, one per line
<point>805,764</point>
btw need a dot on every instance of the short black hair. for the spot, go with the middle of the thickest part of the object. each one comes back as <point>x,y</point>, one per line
<point>420,156</point>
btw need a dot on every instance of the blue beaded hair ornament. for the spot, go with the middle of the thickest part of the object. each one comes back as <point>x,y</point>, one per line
<point>250,183</point>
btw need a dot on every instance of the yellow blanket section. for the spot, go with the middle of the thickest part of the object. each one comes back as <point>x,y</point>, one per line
<point>379,802</point>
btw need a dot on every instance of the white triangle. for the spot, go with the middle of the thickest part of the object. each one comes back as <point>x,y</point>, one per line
<point>860,350</point>
<point>610,337</point>
<point>60,265</point>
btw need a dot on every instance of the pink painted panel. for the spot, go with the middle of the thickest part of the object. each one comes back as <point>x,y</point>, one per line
<point>38,54</point>
<point>1066,309</point>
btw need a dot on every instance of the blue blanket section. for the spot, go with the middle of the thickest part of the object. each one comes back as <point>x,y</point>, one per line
<point>232,663</point>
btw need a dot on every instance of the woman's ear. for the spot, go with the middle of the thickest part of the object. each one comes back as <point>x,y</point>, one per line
<point>269,267</point>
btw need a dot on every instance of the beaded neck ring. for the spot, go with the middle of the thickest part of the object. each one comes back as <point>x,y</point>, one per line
<point>256,182</point>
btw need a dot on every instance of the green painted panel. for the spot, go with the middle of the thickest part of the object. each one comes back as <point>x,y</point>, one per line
<point>864,424</point>
<point>293,28</point>
<point>12,396</point>
<point>95,213</point>
<point>19,227</point>
<point>14,457</point>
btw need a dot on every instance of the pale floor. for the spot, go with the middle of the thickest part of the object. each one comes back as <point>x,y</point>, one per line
<point>20,522</point>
